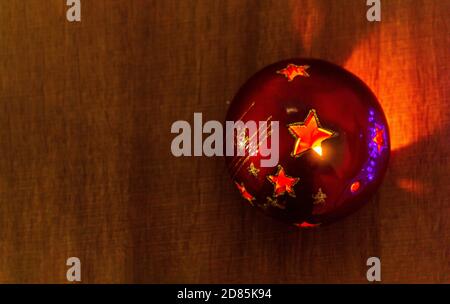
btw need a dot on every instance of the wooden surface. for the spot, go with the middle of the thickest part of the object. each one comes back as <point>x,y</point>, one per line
<point>86,168</point>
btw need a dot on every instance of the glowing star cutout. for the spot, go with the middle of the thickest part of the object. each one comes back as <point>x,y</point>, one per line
<point>309,135</point>
<point>292,71</point>
<point>283,183</point>
<point>253,170</point>
<point>244,193</point>
<point>378,139</point>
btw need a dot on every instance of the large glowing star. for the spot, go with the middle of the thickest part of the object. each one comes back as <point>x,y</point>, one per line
<point>308,135</point>
<point>292,71</point>
<point>244,193</point>
<point>283,183</point>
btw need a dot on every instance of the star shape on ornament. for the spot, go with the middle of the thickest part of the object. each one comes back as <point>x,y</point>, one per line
<point>309,134</point>
<point>378,138</point>
<point>253,170</point>
<point>282,182</point>
<point>244,193</point>
<point>292,71</point>
<point>320,197</point>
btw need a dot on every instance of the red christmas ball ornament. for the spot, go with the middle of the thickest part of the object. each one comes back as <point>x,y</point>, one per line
<point>314,142</point>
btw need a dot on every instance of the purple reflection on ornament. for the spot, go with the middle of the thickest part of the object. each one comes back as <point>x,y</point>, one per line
<point>377,145</point>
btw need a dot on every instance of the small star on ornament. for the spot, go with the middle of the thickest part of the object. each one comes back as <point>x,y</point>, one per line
<point>309,134</point>
<point>378,139</point>
<point>292,71</point>
<point>274,202</point>
<point>320,197</point>
<point>283,183</point>
<point>244,193</point>
<point>253,170</point>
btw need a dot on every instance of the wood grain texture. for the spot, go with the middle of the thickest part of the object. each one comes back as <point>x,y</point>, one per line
<point>86,168</point>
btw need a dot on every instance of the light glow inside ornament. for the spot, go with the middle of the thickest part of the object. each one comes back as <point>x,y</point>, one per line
<point>333,142</point>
